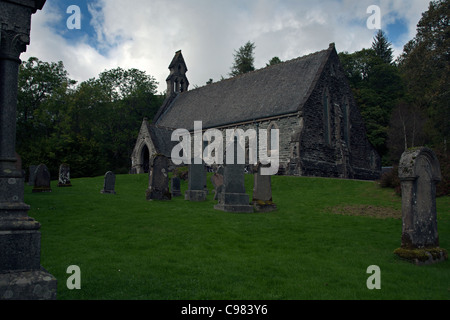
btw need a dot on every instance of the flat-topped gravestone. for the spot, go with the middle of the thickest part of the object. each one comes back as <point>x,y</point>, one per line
<point>158,182</point>
<point>42,179</point>
<point>233,197</point>
<point>262,192</point>
<point>196,182</point>
<point>64,176</point>
<point>419,171</point>
<point>175,187</point>
<point>109,183</point>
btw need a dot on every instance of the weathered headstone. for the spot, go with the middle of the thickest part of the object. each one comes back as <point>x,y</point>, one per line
<point>233,197</point>
<point>158,182</point>
<point>109,183</point>
<point>175,187</point>
<point>262,192</point>
<point>419,171</point>
<point>217,182</point>
<point>64,176</point>
<point>21,276</point>
<point>32,175</point>
<point>196,182</point>
<point>42,179</point>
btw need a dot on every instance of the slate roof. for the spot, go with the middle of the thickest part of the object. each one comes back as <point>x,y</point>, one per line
<point>275,90</point>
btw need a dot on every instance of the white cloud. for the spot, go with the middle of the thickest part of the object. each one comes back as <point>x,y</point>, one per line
<point>145,34</point>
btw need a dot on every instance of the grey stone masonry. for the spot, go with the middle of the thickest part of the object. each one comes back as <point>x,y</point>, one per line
<point>419,171</point>
<point>20,271</point>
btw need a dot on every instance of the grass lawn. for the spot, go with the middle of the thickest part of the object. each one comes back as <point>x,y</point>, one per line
<point>130,248</point>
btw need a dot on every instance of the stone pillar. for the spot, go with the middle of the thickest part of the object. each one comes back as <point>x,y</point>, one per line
<point>419,171</point>
<point>21,276</point>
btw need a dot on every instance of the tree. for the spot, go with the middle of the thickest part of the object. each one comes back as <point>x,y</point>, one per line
<point>405,129</point>
<point>243,60</point>
<point>91,127</point>
<point>378,88</point>
<point>382,47</point>
<point>425,67</point>
<point>274,60</point>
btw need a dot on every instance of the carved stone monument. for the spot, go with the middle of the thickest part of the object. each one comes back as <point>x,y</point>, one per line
<point>64,176</point>
<point>175,187</point>
<point>196,182</point>
<point>262,192</point>
<point>419,171</point>
<point>109,183</point>
<point>21,275</point>
<point>158,181</point>
<point>233,197</point>
<point>42,179</point>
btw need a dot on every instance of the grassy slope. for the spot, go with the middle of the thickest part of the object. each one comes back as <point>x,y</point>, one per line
<point>129,248</point>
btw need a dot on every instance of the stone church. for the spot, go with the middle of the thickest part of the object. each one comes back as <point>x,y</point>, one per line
<point>308,99</point>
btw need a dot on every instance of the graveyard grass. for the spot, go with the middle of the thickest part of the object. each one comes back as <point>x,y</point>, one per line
<point>130,248</point>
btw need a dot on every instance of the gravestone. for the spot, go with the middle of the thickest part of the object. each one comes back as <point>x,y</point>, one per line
<point>419,171</point>
<point>233,197</point>
<point>64,176</point>
<point>109,183</point>
<point>262,192</point>
<point>32,176</point>
<point>217,181</point>
<point>158,182</point>
<point>196,182</point>
<point>42,179</point>
<point>21,275</point>
<point>175,187</point>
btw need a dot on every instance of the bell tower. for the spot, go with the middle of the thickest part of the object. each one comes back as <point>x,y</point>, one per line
<point>177,81</point>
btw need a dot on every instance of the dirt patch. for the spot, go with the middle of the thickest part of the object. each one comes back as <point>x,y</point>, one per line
<point>368,211</point>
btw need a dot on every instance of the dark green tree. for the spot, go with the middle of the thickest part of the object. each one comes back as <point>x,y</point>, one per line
<point>243,60</point>
<point>377,87</point>
<point>382,47</point>
<point>425,67</point>
<point>274,60</point>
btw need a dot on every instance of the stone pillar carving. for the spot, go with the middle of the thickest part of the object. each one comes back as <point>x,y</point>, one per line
<point>21,276</point>
<point>419,172</point>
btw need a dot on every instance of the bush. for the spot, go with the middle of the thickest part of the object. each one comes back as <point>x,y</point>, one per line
<point>390,179</point>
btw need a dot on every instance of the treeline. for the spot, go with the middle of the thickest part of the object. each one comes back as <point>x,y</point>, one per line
<point>405,102</point>
<point>92,125</point>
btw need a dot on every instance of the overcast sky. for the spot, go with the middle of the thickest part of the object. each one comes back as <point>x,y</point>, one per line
<point>145,34</point>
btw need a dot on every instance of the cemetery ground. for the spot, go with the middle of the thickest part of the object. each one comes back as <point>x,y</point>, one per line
<point>317,245</point>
